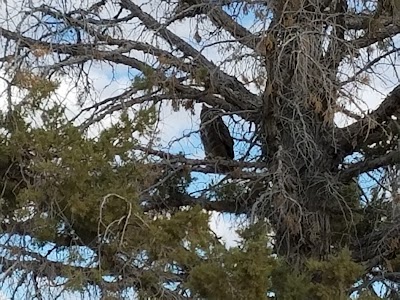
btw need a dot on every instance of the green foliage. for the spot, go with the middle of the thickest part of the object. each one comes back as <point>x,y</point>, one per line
<point>38,87</point>
<point>201,74</point>
<point>367,296</point>
<point>320,279</point>
<point>345,214</point>
<point>145,119</point>
<point>90,189</point>
<point>242,272</point>
<point>228,191</point>
<point>145,81</point>
<point>75,190</point>
<point>290,285</point>
<point>339,269</point>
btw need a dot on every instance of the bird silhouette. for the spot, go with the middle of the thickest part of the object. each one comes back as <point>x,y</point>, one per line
<point>215,136</point>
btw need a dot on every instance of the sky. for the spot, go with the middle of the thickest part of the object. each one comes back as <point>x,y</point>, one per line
<point>109,82</point>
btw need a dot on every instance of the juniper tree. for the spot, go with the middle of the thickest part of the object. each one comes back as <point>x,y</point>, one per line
<point>116,212</point>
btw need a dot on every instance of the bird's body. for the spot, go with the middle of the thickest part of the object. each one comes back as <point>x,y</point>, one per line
<point>215,136</point>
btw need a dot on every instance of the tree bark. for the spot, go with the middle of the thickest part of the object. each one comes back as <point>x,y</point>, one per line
<point>298,108</point>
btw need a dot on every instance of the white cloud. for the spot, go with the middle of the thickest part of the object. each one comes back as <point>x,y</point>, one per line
<point>225,227</point>
<point>3,296</point>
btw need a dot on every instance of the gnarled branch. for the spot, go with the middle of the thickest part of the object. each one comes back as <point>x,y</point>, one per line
<point>369,129</point>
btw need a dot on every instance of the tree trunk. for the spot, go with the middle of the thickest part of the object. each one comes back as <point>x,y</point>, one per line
<point>299,131</point>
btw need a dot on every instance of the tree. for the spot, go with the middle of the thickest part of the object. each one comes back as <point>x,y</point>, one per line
<point>113,211</point>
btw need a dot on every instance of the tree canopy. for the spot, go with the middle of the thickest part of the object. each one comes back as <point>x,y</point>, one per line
<point>106,191</point>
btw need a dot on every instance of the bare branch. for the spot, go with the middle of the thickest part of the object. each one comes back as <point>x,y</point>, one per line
<point>367,165</point>
<point>379,34</point>
<point>349,113</point>
<point>364,21</point>
<point>220,19</point>
<point>368,129</point>
<point>369,65</point>
<point>233,207</point>
<point>228,86</point>
<point>377,245</point>
<point>41,267</point>
<point>206,165</point>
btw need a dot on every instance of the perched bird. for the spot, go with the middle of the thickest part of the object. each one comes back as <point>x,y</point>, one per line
<point>215,136</point>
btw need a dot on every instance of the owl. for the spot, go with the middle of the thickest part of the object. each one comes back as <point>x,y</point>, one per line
<point>215,136</point>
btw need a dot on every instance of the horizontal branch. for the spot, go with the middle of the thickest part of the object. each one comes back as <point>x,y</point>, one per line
<point>356,169</point>
<point>75,50</point>
<point>209,164</point>
<point>43,268</point>
<point>376,246</point>
<point>362,21</point>
<point>369,129</point>
<point>126,99</point>
<point>28,228</point>
<point>232,207</point>
<point>379,34</point>
<point>349,113</point>
<point>193,8</point>
<point>368,66</point>
<point>31,263</point>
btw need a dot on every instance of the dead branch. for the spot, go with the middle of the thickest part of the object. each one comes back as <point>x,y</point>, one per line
<point>372,37</point>
<point>370,164</point>
<point>220,19</point>
<point>369,129</point>
<point>170,159</point>
<point>380,244</point>
<point>44,268</point>
<point>362,21</point>
<point>233,207</point>
<point>228,86</point>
